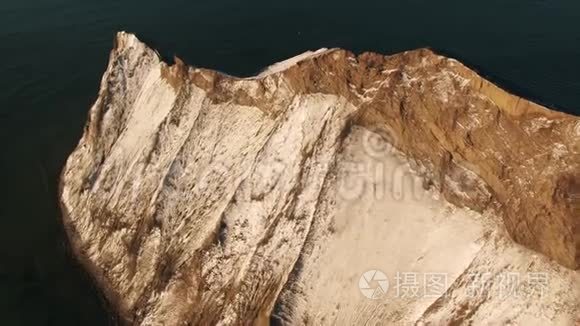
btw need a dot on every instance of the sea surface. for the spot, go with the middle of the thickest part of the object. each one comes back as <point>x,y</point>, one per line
<point>53,53</point>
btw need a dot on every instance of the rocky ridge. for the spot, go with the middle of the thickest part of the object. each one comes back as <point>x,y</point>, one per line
<point>195,197</point>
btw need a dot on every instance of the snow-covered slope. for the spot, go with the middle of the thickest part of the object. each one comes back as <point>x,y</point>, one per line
<point>444,265</point>
<point>198,198</point>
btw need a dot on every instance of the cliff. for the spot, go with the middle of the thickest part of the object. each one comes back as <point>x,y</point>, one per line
<point>195,197</point>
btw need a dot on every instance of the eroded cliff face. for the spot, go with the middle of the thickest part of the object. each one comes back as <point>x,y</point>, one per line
<point>195,197</point>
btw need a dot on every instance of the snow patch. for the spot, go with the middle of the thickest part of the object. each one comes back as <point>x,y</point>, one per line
<point>407,80</point>
<point>559,150</point>
<point>389,71</point>
<point>538,123</point>
<point>444,84</point>
<point>284,65</point>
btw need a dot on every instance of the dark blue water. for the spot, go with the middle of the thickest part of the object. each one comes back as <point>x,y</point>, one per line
<point>54,52</point>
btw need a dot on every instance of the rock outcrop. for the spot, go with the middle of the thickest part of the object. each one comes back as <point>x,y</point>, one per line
<point>199,198</point>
